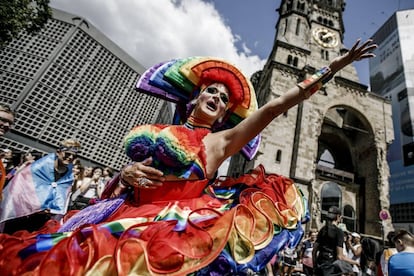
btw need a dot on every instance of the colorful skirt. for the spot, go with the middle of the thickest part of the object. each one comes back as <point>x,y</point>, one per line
<point>236,227</point>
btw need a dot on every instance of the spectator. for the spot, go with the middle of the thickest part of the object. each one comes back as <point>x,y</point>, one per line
<point>28,158</point>
<point>78,175</point>
<point>306,252</point>
<point>8,159</point>
<point>288,260</point>
<point>78,179</point>
<point>8,163</point>
<point>6,122</point>
<point>402,263</point>
<point>24,160</point>
<point>108,173</point>
<point>369,256</point>
<point>387,253</point>
<point>88,172</point>
<point>89,190</point>
<point>327,252</point>
<point>353,245</point>
<point>39,191</point>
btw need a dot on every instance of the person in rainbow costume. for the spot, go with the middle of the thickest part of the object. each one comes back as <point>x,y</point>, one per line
<point>166,213</point>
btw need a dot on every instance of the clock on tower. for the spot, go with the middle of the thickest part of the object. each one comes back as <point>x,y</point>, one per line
<point>325,37</point>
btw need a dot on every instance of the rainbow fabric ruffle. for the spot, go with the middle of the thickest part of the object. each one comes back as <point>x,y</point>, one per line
<point>234,229</point>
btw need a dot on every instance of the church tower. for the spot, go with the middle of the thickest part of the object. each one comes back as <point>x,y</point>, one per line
<point>334,144</point>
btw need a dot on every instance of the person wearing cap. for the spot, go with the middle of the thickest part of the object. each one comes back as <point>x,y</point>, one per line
<point>328,257</point>
<point>402,263</point>
<point>354,248</point>
<point>39,191</point>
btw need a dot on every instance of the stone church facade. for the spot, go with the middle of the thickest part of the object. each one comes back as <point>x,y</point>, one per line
<point>334,144</point>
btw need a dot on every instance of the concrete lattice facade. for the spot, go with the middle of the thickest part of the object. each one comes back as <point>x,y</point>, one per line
<point>344,121</point>
<point>70,81</point>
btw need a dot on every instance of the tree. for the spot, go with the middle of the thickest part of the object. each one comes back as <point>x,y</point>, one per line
<point>22,15</point>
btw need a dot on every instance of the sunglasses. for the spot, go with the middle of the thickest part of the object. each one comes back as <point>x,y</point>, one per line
<point>67,154</point>
<point>223,96</point>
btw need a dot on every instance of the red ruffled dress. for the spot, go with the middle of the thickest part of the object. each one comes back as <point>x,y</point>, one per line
<point>230,227</point>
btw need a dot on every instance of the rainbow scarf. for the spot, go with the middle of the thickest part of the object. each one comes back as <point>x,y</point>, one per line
<point>34,189</point>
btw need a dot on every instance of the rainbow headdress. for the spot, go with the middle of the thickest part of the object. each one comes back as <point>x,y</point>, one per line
<point>179,81</point>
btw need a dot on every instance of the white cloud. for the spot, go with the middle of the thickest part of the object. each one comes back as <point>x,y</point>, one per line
<point>152,31</point>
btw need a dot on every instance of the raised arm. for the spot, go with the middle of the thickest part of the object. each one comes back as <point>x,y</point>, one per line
<point>234,139</point>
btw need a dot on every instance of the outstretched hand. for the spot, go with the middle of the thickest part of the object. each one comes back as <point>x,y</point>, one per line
<point>355,54</point>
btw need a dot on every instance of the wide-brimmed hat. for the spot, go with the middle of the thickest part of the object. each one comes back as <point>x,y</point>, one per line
<point>179,81</point>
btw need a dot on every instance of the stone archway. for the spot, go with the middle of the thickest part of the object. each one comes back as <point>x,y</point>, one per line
<point>347,136</point>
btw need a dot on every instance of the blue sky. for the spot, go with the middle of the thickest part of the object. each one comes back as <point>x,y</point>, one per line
<point>361,19</point>
<point>241,31</point>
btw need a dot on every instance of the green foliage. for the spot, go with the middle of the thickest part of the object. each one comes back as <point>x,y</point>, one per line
<point>22,15</point>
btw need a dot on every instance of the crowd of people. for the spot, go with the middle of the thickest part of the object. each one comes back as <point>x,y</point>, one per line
<point>88,185</point>
<point>58,180</point>
<point>15,161</point>
<point>319,253</point>
<point>166,212</point>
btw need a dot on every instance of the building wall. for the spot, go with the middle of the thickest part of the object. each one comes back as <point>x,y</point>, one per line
<point>392,76</point>
<point>71,81</point>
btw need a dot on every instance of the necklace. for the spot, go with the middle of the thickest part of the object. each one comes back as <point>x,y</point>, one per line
<point>193,122</point>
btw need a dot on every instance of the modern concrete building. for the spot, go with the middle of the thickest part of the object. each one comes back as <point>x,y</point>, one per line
<point>71,81</point>
<point>392,76</point>
<point>334,144</point>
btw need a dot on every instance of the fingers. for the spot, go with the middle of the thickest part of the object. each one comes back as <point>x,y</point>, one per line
<point>364,51</point>
<point>143,175</point>
<point>145,169</point>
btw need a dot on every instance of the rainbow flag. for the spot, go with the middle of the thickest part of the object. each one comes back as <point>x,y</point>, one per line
<point>34,189</point>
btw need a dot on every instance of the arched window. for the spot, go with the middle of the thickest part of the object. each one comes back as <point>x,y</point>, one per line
<point>331,195</point>
<point>348,218</point>
<point>326,159</point>
<point>289,60</point>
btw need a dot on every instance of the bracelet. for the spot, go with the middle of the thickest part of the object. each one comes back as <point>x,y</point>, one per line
<point>315,82</point>
<point>122,183</point>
